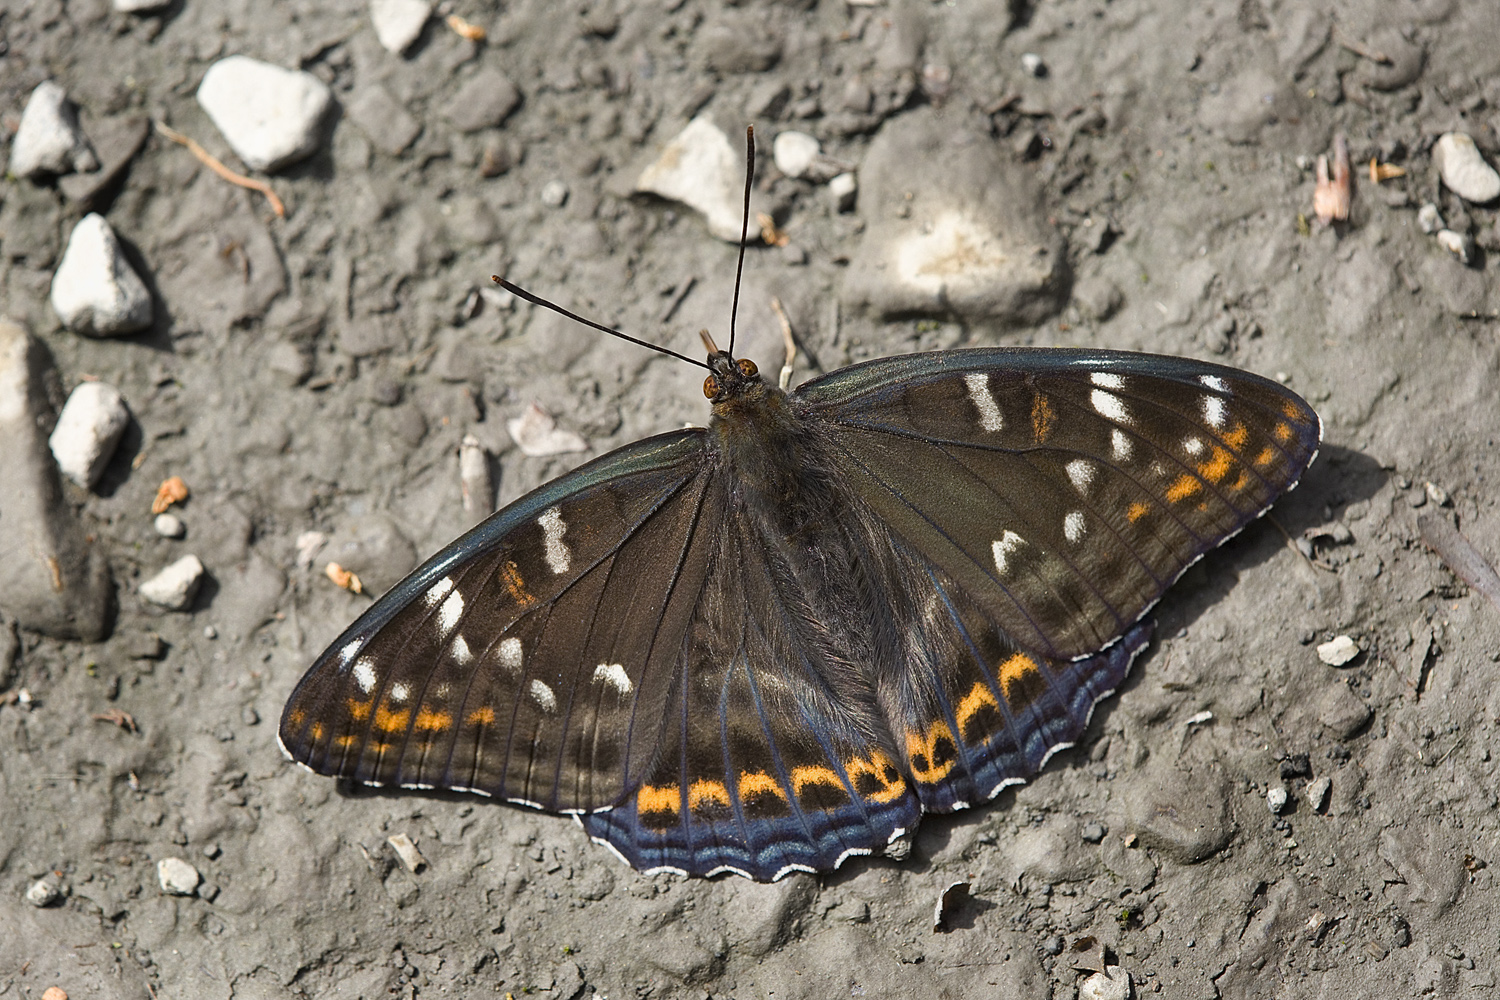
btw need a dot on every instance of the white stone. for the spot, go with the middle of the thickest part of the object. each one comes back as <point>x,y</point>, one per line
<point>87,431</point>
<point>399,23</point>
<point>1317,793</point>
<point>169,526</point>
<point>538,434</point>
<point>1429,219</point>
<point>1464,170</point>
<point>1458,244</point>
<point>1338,651</point>
<point>701,169</point>
<point>1033,64</point>
<point>554,193</point>
<point>794,152</point>
<point>174,587</point>
<point>95,291</point>
<point>139,6</point>
<point>1276,799</point>
<point>269,115</point>
<point>1114,983</point>
<point>177,877</point>
<point>49,140</point>
<point>842,189</point>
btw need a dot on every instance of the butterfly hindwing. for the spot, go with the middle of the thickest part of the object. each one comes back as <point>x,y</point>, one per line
<point>1063,490</point>
<point>532,658</point>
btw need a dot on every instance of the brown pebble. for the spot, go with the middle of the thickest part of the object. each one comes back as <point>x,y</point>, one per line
<point>54,993</point>
<point>171,491</point>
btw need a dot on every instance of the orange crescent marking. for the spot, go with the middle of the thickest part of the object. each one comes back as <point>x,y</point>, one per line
<point>1015,671</point>
<point>389,721</point>
<point>1135,512</point>
<point>925,746</point>
<point>482,716</point>
<point>1236,438</point>
<point>814,774</point>
<point>752,784</point>
<point>979,697</point>
<point>1185,487</point>
<point>359,711</point>
<point>345,742</point>
<point>317,730</point>
<point>876,766</point>
<point>667,798</point>
<point>1217,467</point>
<point>296,716</point>
<point>1266,457</point>
<point>704,791</point>
<point>434,720</point>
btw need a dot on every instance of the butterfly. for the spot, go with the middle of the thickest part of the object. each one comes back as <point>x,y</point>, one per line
<point>771,644</point>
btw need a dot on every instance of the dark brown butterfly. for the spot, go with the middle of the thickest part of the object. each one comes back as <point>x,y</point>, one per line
<point>771,644</point>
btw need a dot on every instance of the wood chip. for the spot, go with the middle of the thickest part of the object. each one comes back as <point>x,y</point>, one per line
<point>122,719</point>
<point>407,852</point>
<point>472,32</point>
<point>343,578</point>
<point>171,491</point>
<point>1384,171</point>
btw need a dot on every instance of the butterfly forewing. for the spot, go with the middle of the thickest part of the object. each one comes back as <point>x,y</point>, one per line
<point>532,658</point>
<point>1064,490</point>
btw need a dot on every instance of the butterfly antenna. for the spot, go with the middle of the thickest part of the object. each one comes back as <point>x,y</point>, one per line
<point>739,268</point>
<point>520,292</point>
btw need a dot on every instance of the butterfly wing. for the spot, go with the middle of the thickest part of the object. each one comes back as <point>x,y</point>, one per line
<point>538,670</point>
<point>765,766</point>
<point>1063,491</point>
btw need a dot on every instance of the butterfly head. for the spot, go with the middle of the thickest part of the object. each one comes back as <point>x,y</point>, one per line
<point>729,379</point>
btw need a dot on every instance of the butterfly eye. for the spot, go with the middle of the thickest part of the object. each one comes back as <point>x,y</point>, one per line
<point>747,368</point>
<point>710,387</point>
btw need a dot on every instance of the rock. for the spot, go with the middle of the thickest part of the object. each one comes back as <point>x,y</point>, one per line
<point>1342,712</point>
<point>1458,244</point>
<point>1429,219</point>
<point>49,140</point>
<point>701,169</point>
<point>1276,799</point>
<point>842,190</point>
<point>1317,793</point>
<point>794,152</point>
<point>270,116</point>
<point>175,586</point>
<point>554,193</point>
<point>537,433</point>
<point>177,877</point>
<point>407,851</point>
<point>43,893</point>
<point>95,291</point>
<point>1093,833</point>
<point>88,430</point>
<point>399,23</point>
<point>140,6</point>
<point>55,582</point>
<point>116,140</point>
<point>1463,168</point>
<point>484,102</point>
<point>1338,651</point>
<point>974,247</point>
<point>383,119</point>
<point>1114,983</point>
<point>1033,64</point>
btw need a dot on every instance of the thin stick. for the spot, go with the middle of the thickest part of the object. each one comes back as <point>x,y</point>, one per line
<point>213,164</point>
<point>791,345</point>
<point>1360,50</point>
<point>537,300</point>
<point>739,269</point>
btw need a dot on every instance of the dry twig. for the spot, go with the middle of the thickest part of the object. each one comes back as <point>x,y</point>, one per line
<point>213,164</point>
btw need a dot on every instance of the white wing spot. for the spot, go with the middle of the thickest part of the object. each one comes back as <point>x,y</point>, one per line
<point>984,400</point>
<point>1073,525</point>
<point>553,529</point>
<point>1107,404</point>
<point>1007,544</point>
<point>437,592</point>
<point>1214,411</point>
<point>1214,382</point>
<point>1107,380</point>
<point>462,654</point>
<point>350,651</point>
<point>451,611</point>
<point>543,696</point>
<point>1119,443</point>
<point>510,655</point>
<point>364,674</point>
<point>614,675</point>
<point>1082,474</point>
<point>399,693</point>
<point>1193,446</point>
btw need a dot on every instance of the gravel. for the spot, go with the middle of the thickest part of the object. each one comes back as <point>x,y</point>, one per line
<point>87,431</point>
<point>96,291</point>
<point>271,117</point>
<point>48,140</point>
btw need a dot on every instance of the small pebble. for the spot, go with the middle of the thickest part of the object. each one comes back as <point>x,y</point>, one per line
<point>1113,983</point>
<point>1458,244</point>
<point>1093,833</point>
<point>49,140</point>
<point>211,851</point>
<point>538,434</point>
<point>175,586</point>
<point>1338,651</point>
<point>169,526</point>
<point>1276,799</point>
<point>95,291</point>
<point>88,430</point>
<point>43,892</point>
<point>407,852</point>
<point>399,23</point>
<point>1033,64</point>
<point>485,101</point>
<point>843,189</point>
<point>270,116</point>
<point>1429,219</point>
<point>1437,494</point>
<point>140,6</point>
<point>701,169</point>
<point>554,194</point>
<point>474,476</point>
<point>209,632</point>
<point>177,877</point>
<point>1053,945</point>
<point>1463,168</point>
<point>794,152</point>
<point>1317,793</point>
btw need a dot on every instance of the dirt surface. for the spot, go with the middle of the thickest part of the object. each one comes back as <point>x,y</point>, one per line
<point>318,373</point>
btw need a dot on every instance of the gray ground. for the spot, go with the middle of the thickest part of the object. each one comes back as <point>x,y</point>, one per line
<point>319,372</point>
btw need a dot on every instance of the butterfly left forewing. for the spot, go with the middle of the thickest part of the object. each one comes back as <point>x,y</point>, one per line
<point>1065,490</point>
